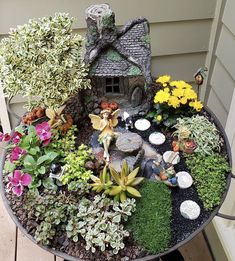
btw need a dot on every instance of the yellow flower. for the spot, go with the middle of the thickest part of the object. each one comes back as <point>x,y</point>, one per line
<point>188,86</point>
<point>173,83</point>
<point>163,79</point>
<point>180,84</point>
<point>174,102</point>
<point>183,100</point>
<point>161,97</point>
<point>178,92</point>
<point>159,117</point>
<point>190,94</point>
<point>197,105</point>
<point>166,89</point>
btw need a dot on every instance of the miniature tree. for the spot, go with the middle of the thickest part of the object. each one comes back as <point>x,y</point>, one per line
<point>43,59</point>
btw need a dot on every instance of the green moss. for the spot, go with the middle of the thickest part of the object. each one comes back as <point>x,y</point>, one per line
<point>113,55</point>
<point>146,39</point>
<point>150,224</point>
<point>108,21</point>
<point>134,70</point>
<point>209,176</point>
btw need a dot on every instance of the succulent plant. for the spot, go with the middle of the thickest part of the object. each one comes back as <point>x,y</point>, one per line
<point>103,183</point>
<point>126,182</point>
<point>98,221</point>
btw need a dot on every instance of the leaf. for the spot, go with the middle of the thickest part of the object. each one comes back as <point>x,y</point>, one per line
<point>42,170</point>
<point>52,155</point>
<point>42,159</point>
<point>48,183</point>
<point>115,175</point>
<point>122,196</point>
<point>151,114</point>
<point>9,167</point>
<point>134,192</point>
<point>34,151</point>
<point>95,179</point>
<point>115,190</point>
<point>137,181</point>
<point>124,170</point>
<point>29,162</point>
<point>133,173</point>
<point>103,175</point>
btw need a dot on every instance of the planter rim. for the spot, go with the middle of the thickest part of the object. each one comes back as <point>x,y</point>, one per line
<point>146,258</point>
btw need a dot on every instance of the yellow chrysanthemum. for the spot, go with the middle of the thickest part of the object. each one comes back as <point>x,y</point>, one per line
<point>161,97</point>
<point>197,105</point>
<point>190,94</point>
<point>178,92</point>
<point>180,84</point>
<point>159,117</point>
<point>163,79</point>
<point>174,102</point>
<point>188,86</point>
<point>166,90</point>
<point>183,100</point>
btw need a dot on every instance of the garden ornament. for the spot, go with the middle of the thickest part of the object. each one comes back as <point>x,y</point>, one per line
<point>105,124</point>
<point>128,120</point>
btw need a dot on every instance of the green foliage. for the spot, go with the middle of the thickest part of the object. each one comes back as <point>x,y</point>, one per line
<point>52,211</point>
<point>150,224</point>
<point>146,39</point>
<point>74,169</point>
<point>64,144</point>
<point>209,175</point>
<point>43,59</point>
<point>126,182</point>
<point>98,221</point>
<point>202,131</point>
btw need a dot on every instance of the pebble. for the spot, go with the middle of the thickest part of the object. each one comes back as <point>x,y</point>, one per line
<point>190,209</point>
<point>142,124</point>
<point>169,154</point>
<point>157,138</point>
<point>129,142</point>
<point>184,179</point>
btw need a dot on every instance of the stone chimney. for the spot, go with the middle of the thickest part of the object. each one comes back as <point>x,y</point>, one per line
<point>101,29</point>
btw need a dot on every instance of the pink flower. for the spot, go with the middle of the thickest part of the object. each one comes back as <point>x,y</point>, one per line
<point>18,181</point>
<point>44,132</point>
<point>4,137</point>
<point>16,137</point>
<point>17,153</point>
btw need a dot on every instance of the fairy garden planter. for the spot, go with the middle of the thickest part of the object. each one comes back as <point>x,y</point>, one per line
<point>107,164</point>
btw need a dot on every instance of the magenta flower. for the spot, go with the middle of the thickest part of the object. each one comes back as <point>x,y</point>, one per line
<point>44,132</point>
<point>18,182</point>
<point>16,137</point>
<point>4,137</point>
<point>17,153</point>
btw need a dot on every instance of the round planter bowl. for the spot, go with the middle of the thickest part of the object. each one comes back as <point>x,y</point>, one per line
<point>147,258</point>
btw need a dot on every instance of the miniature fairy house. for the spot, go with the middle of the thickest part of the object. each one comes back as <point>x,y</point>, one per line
<point>120,59</point>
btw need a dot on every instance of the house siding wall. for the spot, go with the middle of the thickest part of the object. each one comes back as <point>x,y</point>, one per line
<point>180,30</point>
<point>222,77</point>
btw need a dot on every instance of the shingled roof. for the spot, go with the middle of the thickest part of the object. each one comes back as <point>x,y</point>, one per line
<point>123,52</point>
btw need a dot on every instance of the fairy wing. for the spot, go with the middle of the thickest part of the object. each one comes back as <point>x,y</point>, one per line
<point>96,121</point>
<point>114,116</point>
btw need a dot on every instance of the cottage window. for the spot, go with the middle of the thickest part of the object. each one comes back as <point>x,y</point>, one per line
<point>112,85</point>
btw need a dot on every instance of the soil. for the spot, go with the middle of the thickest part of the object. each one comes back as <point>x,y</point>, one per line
<point>181,228</point>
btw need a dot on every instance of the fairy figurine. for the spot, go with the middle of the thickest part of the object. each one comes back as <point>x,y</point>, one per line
<point>105,124</point>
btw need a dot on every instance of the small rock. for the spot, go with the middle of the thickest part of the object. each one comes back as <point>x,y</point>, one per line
<point>157,138</point>
<point>142,124</point>
<point>190,209</point>
<point>184,179</point>
<point>171,157</point>
<point>90,165</point>
<point>129,142</point>
<point>97,111</point>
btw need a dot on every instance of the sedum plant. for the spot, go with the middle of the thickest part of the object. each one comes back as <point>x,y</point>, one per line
<point>74,169</point>
<point>202,131</point>
<point>98,221</point>
<point>43,59</point>
<point>126,182</point>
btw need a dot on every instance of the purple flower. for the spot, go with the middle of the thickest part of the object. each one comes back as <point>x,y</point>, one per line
<point>4,137</point>
<point>17,153</point>
<point>18,181</point>
<point>44,132</point>
<point>16,137</point>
